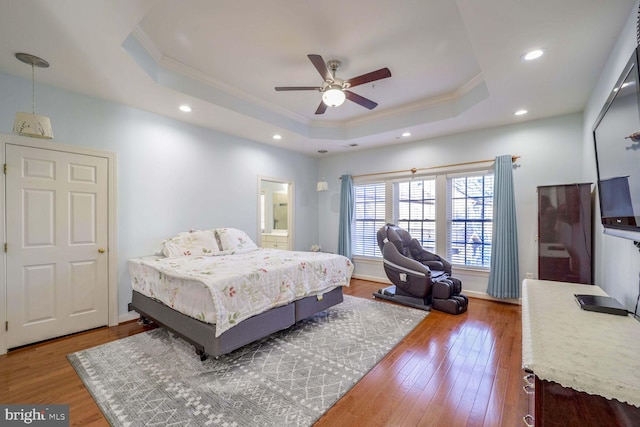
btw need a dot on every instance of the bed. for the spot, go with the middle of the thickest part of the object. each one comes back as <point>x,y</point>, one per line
<point>219,291</point>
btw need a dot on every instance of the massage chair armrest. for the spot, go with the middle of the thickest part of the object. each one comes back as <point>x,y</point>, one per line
<point>391,254</point>
<point>407,274</point>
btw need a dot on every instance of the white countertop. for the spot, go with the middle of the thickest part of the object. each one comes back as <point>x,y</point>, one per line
<point>596,353</point>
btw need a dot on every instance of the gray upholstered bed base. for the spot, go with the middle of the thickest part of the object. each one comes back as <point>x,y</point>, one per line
<point>202,335</point>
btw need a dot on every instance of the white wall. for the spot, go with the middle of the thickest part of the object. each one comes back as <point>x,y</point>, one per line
<point>548,149</point>
<point>616,260</point>
<point>171,176</point>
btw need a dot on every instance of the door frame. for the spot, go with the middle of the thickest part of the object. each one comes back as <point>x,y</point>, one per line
<point>112,247</point>
<point>290,210</point>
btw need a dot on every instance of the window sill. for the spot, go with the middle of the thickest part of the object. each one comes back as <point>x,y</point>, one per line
<point>367,258</point>
<point>468,270</point>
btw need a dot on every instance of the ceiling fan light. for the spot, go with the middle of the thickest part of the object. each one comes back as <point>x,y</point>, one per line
<point>333,97</point>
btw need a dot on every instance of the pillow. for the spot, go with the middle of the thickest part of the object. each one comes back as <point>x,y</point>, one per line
<point>191,243</point>
<point>234,239</point>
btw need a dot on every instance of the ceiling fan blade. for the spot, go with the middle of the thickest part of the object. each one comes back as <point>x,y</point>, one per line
<point>380,74</point>
<point>321,108</point>
<point>354,97</point>
<point>285,88</point>
<point>321,66</point>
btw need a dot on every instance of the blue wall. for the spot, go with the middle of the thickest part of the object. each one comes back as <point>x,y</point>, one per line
<point>548,149</point>
<point>172,176</point>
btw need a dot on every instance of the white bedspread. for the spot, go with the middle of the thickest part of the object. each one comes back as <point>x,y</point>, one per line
<point>239,285</point>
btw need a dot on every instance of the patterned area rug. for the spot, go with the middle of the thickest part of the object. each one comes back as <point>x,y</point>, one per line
<point>288,379</point>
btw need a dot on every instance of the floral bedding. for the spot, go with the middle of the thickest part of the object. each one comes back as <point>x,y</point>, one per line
<point>229,287</point>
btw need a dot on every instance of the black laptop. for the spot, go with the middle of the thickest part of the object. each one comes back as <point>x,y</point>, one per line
<point>600,304</point>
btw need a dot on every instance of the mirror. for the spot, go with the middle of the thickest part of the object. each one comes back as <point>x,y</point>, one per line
<point>280,209</point>
<point>275,204</point>
<point>275,210</point>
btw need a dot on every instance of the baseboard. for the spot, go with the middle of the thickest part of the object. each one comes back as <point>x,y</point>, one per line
<point>483,295</point>
<point>469,293</point>
<point>132,315</point>
<point>371,278</point>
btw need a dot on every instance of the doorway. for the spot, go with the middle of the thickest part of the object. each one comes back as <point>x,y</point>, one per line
<point>60,254</point>
<point>275,213</point>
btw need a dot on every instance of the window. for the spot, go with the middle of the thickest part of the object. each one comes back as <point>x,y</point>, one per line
<point>451,216</point>
<point>416,210</point>
<point>369,217</point>
<point>470,213</point>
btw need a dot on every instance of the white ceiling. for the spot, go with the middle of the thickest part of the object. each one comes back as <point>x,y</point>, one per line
<point>455,65</point>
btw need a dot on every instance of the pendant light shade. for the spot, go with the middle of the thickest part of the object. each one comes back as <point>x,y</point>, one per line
<point>32,124</point>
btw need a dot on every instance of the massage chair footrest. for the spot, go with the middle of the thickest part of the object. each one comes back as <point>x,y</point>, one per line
<point>445,287</point>
<point>457,304</point>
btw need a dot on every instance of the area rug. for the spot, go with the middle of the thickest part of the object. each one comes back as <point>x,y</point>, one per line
<point>288,379</point>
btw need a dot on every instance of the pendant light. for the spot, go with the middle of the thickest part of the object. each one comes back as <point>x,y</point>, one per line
<point>32,124</point>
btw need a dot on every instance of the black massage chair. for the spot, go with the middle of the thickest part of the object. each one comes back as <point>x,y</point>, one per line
<point>421,279</point>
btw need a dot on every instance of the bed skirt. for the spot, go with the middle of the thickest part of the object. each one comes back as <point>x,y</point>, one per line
<point>202,335</point>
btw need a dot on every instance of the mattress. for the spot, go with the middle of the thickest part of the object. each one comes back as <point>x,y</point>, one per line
<point>226,289</point>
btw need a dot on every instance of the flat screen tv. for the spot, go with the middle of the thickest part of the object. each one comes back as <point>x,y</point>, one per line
<point>616,134</point>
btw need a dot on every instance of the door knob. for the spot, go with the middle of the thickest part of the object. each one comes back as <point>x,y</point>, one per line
<point>100,250</point>
<point>635,137</point>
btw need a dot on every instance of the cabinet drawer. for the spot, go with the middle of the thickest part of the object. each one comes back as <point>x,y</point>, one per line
<point>274,242</point>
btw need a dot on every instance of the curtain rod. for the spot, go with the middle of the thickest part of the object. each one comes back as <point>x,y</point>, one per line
<point>414,170</point>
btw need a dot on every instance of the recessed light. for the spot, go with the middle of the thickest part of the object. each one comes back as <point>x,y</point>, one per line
<point>520,113</point>
<point>185,108</point>
<point>533,54</point>
<point>406,134</point>
<point>277,136</point>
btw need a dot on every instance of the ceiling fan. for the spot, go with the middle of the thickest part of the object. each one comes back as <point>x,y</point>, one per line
<point>335,91</point>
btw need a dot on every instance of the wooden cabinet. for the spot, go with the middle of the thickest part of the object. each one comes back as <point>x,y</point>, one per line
<point>558,406</point>
<point>275,241</point>
<point>564,233</point>
<point>552,405</point>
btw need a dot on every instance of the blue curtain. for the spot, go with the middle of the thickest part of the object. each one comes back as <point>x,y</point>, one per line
<point>504,278</point>
<point>347,201</point>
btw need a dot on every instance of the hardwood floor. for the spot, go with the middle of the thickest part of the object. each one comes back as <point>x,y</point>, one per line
<point>449,371</point>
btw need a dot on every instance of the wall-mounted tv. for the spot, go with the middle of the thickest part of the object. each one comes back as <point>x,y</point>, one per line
<point>616,134</point>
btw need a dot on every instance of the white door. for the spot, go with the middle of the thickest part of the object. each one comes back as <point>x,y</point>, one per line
<point>57,265</point>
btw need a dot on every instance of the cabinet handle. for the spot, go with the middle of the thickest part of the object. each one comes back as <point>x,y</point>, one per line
<point>528,420</point>
<point>529,389</point>
<point>527,380</point>
<point>100,250</point>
